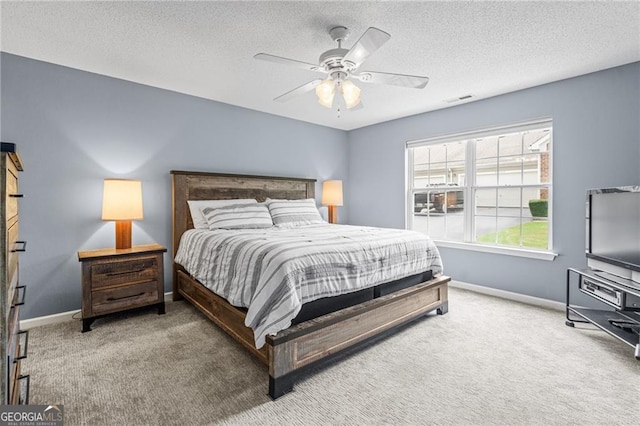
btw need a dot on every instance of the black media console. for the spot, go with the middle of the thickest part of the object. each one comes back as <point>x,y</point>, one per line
<point>622,295</point>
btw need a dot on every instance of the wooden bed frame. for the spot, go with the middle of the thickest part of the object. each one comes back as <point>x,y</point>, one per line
<point>291,352</point>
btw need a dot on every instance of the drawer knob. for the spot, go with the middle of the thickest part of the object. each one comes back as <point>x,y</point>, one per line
<point>16,195</point>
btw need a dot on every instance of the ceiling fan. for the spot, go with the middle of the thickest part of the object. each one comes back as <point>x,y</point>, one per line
<point>341,66</point>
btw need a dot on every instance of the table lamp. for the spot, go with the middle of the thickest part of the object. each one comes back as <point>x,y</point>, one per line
<point>332,197</point>
<point>122,202</point>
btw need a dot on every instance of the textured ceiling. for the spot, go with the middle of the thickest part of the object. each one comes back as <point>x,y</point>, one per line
<point>206,48</point>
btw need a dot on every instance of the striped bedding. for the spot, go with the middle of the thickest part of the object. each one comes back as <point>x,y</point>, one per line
<point>272,272</point>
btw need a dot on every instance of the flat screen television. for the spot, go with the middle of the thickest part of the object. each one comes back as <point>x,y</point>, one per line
<point>613,231</point>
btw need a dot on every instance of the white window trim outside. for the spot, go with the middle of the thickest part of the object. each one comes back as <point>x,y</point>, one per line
<point>470,165</point>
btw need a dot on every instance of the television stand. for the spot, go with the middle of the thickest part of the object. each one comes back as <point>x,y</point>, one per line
<point>622,321</point>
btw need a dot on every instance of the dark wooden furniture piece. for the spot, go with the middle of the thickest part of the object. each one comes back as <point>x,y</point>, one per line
<point>293,351</point>
<point>115,280</point>
<point>621,320</point>
<point>14,387</point>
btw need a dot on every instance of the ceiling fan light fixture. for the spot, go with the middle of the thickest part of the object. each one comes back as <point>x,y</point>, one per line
<point>325,92</point>
<point>350,93</point>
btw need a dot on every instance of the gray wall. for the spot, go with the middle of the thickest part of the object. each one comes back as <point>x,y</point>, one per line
<point>596,144</point>
<point>75,128</point>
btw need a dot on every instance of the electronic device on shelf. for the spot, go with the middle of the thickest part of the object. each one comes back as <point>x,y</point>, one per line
<point>613,233</point>
<point>609,294</point>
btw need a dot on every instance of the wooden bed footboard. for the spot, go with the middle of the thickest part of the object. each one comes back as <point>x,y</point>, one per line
<point>294,350</point>
<point>291,352</point>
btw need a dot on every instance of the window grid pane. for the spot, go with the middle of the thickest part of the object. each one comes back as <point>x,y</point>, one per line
<point>509,199</point>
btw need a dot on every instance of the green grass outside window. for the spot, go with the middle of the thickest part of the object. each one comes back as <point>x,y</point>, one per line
<point>534,235</point>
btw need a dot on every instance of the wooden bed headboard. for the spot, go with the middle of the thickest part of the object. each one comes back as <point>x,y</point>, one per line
<point>189,185</point>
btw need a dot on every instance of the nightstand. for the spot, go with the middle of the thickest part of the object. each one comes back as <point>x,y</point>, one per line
<point>116,280</point>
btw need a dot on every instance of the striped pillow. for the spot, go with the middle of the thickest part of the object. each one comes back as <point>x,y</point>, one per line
<point>196,207</point>
<point>238,216</point>
<point>294,212</point>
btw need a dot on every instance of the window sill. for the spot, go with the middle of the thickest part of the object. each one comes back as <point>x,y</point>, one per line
<point>531,254</point>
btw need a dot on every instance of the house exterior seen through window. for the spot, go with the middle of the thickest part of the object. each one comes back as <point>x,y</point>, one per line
<point>491,187</point>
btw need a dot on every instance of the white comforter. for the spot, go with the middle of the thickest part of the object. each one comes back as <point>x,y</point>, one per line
<point>272,272</point>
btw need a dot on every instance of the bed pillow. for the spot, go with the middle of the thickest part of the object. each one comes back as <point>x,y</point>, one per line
<point>294,212</point>
<point>238,216</point>
<point>196,206</point>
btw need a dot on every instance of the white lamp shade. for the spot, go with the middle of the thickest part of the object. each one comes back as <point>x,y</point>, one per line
<point>350,93</point>
<point>332,193</point>
<point>325,92</point>
<point>122,200</point>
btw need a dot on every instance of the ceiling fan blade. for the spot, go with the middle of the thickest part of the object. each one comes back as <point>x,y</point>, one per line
<point>299,91</point>
<point>413,81</point>
<point>371,40</point>
<point>290,62</point>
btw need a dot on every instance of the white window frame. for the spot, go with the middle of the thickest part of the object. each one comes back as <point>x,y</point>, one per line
<point>470,187</point>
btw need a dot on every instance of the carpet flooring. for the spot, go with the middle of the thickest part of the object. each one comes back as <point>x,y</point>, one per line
<point>488,361</point>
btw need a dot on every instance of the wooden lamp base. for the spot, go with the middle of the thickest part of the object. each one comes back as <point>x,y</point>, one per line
<point>123,234</point>
<point>333,214</point>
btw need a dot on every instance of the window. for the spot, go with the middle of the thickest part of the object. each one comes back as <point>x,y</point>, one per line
<point>491,188</point>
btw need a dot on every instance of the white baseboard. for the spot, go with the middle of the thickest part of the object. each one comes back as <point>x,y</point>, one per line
<point>63,317</point>
<point>48,319</point>
<point>517,297</point>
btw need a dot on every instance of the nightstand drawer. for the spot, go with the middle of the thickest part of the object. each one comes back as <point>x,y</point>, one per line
<point>126,297</point>
<point>113,273</point>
